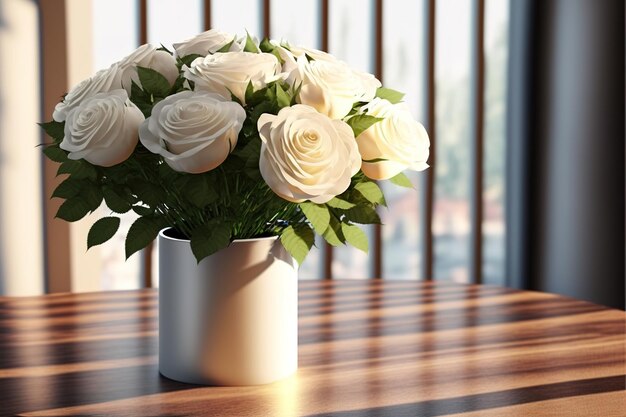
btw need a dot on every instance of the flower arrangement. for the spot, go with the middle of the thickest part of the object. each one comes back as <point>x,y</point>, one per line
<point>230,138</point>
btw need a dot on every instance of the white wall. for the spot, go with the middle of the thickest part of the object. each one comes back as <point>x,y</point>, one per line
<point>86,266</point>
<point>21,251</point>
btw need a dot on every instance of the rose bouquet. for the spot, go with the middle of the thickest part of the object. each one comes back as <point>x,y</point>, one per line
<point>230,138</point>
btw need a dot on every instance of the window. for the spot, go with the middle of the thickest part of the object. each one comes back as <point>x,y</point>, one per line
<point>351,35</point>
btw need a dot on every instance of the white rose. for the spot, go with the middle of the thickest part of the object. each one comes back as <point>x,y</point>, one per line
<point>223,73</point>
<point>102,129</point>
<point>368,84</point>
<point>332,87</point>
<point>328,86</point>
<point>147,56</point>
<point>315,54</point>
<point>193,131</point>
<point>399,141</point>
<point>103,81</point>
<point>305,155</point>
<point>206,43</point>
<point>290,54</point>
<point>289,67</point>
<point>296,65</point>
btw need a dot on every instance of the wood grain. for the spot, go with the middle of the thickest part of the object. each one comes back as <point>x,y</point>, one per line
<point>367,348</point>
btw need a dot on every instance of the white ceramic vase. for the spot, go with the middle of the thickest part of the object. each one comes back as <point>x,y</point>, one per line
<point>232,318</point>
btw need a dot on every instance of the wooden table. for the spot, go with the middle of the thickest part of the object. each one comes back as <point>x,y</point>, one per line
<point>367,348</point>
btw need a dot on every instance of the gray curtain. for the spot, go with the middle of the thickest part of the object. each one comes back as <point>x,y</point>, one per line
<point>565,202</point>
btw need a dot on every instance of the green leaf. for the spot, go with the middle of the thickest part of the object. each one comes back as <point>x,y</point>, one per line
<point>179,85</point>
<point>266,46</point>
<point>339,203</point>
<point>270,95</point>
<point>356,107</point>
<point>282,98</point>
<point>181,181</point>
<point>55,153</point>
<point>252,168</point>
<point>209,239</point>
<point>153,82</point>
<point>167,173</point>
<point>102,230</point>
<point>198,191</point>
<point>250,150</point>
<point>249,92</point>
<point>226,47</point>
<point>257,97</point>
<point>67,189</point>
<point>333,235</point>
<point>362,215</point>
<point>392,96</point>
<point>402,180</point>
<point>295,93</point>
<point>143,210</point>
<point>375,160</point>
<point>78,169</point>
<point>355,236</point>
<point>298,240</point>
<point>115,201</point>
<point>146,192</point>
<point>317,214</point>
<point>92,194</point>
<point>143,231</point>
<point>250,45</point>
<point>141,99</point>
<point>361,122</point>
<point>266,106</point>
<point>137,92</point>
<point>68,167</point>
<point>371,192</point>
<point>56,130</point>
<point>253,173</point>
<point>73,209</point>
<point>188,59</point>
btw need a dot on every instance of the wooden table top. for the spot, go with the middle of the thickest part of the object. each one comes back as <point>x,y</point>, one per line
<point>367,348</point>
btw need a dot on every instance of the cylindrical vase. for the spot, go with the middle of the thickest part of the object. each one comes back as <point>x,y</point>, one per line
<point>230,319</point>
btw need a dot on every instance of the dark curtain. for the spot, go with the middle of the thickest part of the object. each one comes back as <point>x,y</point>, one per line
<point>565,158</point>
